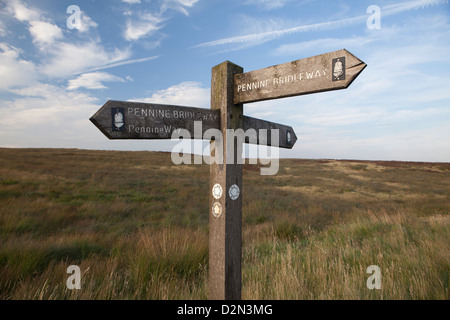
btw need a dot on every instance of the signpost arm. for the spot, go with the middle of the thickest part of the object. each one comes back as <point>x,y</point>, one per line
<point>225,226</point>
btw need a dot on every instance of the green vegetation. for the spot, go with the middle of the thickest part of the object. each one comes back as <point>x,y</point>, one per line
<point>137,226</point>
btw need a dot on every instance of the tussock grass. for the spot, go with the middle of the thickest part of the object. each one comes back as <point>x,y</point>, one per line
<point>137,226</point>
<point>413,255</point>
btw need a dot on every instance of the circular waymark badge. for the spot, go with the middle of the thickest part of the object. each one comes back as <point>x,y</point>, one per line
<point>217,209</point>
<point>234,192</point>
<point>217,191</point>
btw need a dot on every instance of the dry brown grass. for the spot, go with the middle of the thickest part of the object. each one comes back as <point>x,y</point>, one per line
<point>137,226</point>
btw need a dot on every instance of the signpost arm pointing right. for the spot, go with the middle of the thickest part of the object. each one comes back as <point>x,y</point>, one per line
<point>330,71</point>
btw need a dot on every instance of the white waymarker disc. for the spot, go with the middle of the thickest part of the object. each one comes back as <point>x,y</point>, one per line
<point>217,191</point>
<point>234,192</point>
<point>217,209</point>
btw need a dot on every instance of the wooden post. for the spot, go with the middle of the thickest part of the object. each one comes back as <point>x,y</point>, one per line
<point>225,216</point>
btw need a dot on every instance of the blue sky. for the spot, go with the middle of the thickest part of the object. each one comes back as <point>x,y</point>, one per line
<point>53,76</point>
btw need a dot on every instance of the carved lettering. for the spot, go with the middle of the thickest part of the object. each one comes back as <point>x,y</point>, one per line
<point>159,113</point>
<point>284,80</point>
<point>156,130</point>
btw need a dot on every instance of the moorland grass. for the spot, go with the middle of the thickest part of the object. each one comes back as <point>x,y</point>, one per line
<point>137,226</point>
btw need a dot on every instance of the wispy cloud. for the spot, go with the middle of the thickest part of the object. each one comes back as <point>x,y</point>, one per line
<point>93,80</point>
<point>188,93</point>
<point>131,1</point>
<point>410,5</point>
<point>261,37</point>
<point>122,63</point>
<point>268,4</point>
<point>67,58</point>
<point>395,36</point>
<point>143,23</point>
<point>179,5</point>
<point>269,35</point>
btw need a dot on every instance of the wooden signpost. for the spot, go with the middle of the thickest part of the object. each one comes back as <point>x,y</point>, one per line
<point>136,120</point>
<point>230,89</point>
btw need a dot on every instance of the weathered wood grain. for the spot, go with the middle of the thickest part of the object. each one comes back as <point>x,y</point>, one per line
<point>304,76</point>
<point>225,230</point>
<point>153,121</point>
<point>158,121</point>
<point>287,136</point>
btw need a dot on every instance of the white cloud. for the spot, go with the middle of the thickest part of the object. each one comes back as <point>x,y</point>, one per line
<point>3,32</point>
<point>58,57</point>
<point>146,25</point>
<point>14,71</point>
<point>179,5</point>
<point>22,12</point>
<point>45,115</point>
<point>41,29</point>
<point>86,23</point>
<point>189,93</point>
<point>61,58</point>
<point>93,80</point>
<point>73,58</point>
<point>131,1</point>
<point>44,33</point>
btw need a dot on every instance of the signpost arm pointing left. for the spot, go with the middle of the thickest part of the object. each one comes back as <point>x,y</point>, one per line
<point>97,118</point>
<point>137,120</point>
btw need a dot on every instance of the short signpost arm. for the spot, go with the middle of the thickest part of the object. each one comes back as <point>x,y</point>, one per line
<point>225,227</point>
